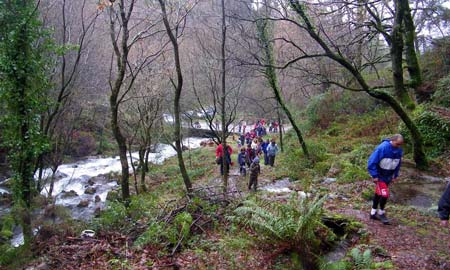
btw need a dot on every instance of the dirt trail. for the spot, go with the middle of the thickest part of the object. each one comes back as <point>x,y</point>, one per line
<point>418,245</point>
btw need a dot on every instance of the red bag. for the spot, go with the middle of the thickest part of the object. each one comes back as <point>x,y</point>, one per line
<point>382,189</point>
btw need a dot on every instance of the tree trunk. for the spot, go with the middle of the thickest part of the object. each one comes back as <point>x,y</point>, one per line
<point>121,142</point>
<point>280,130</point>
<point>143,160</point>
<point>176,104</point>
<point>223,99</point>
<point>134,169</point>
<point>397,58</point>
<point>410,52</point>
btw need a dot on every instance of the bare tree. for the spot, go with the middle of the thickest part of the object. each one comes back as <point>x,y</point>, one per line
<point>127,71</point>
<point>72,41</point>
<point>173,32</point>
<point>144,113</point>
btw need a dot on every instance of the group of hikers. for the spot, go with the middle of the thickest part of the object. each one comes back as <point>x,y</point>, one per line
<point>259,128</point>
<point>252,149</point>
<point>383,166</point>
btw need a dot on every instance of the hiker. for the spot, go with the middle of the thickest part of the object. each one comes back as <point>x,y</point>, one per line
<point>444,207</point>
<point>384,166</point>
<point>219,159</point>
<point>250,155</point>
<point>248,138</point>
<point>242,139</point>
<point>275,127</point>
<point>255,145</point>
<point>255,170</point>
<point>264,149</point>
<point>244,125</point>
<point>272,151</point>
<point>242,157</point>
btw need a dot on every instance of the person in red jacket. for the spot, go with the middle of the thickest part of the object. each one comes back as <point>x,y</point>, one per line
<point>219,155</point>
<point>219,150</point>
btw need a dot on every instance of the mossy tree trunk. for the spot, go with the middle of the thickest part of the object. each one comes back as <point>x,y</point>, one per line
<point>397,57</point>
<point>271,76</point>
<point>414,70</point>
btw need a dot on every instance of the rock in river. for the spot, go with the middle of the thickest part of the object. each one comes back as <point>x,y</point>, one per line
<point>68,194</point>
<point>83,203</point>
<point>90,190</point>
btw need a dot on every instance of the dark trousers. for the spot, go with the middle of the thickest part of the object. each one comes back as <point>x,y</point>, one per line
<point>221,168</point>
<point>253,182</point>
<point>378,199</point>
<point>242,169</point>
<point>271,160</point>
<point>266,159</point>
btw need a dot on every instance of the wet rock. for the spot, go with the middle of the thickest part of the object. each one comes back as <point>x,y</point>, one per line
<point>83,203</point>
<point>68,194</point>
<point>97,212</point>
<point>211,143</point>
<point>91,182</point>
<point>333,172</point>
<point>184,148</point>
<point>329,180</point>
<point>90,190</point>
<point>97,199</point>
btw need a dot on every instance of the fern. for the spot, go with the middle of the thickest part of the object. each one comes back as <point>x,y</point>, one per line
<point>362,261</point>
<point>294,223</point>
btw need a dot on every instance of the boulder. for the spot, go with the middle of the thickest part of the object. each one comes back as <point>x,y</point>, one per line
<point>68,194</point>
<point>83,203</point>
<point>90,190</point>
<point>91,182</point>
<point>97,199</point>
<point>184,148</point>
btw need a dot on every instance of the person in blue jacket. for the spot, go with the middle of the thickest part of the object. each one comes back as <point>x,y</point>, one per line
<point>384,166</point>
<point>444,207</point>
<point>264,149</point>
<point>242,157</point>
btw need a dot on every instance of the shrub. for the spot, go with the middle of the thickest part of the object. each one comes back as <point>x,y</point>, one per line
<point>7,226</point>
<point>82,144</point>
<point>114,217</point>
<point>442,95</point>
<point>326,108</point>
<point>159,232</point>
<point>435,130</point>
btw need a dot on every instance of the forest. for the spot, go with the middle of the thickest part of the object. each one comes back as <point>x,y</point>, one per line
<point>224,134</point>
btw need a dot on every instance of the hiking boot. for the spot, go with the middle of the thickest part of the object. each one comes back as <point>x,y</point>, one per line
<point>374,217</point>
<point>384,219</point>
